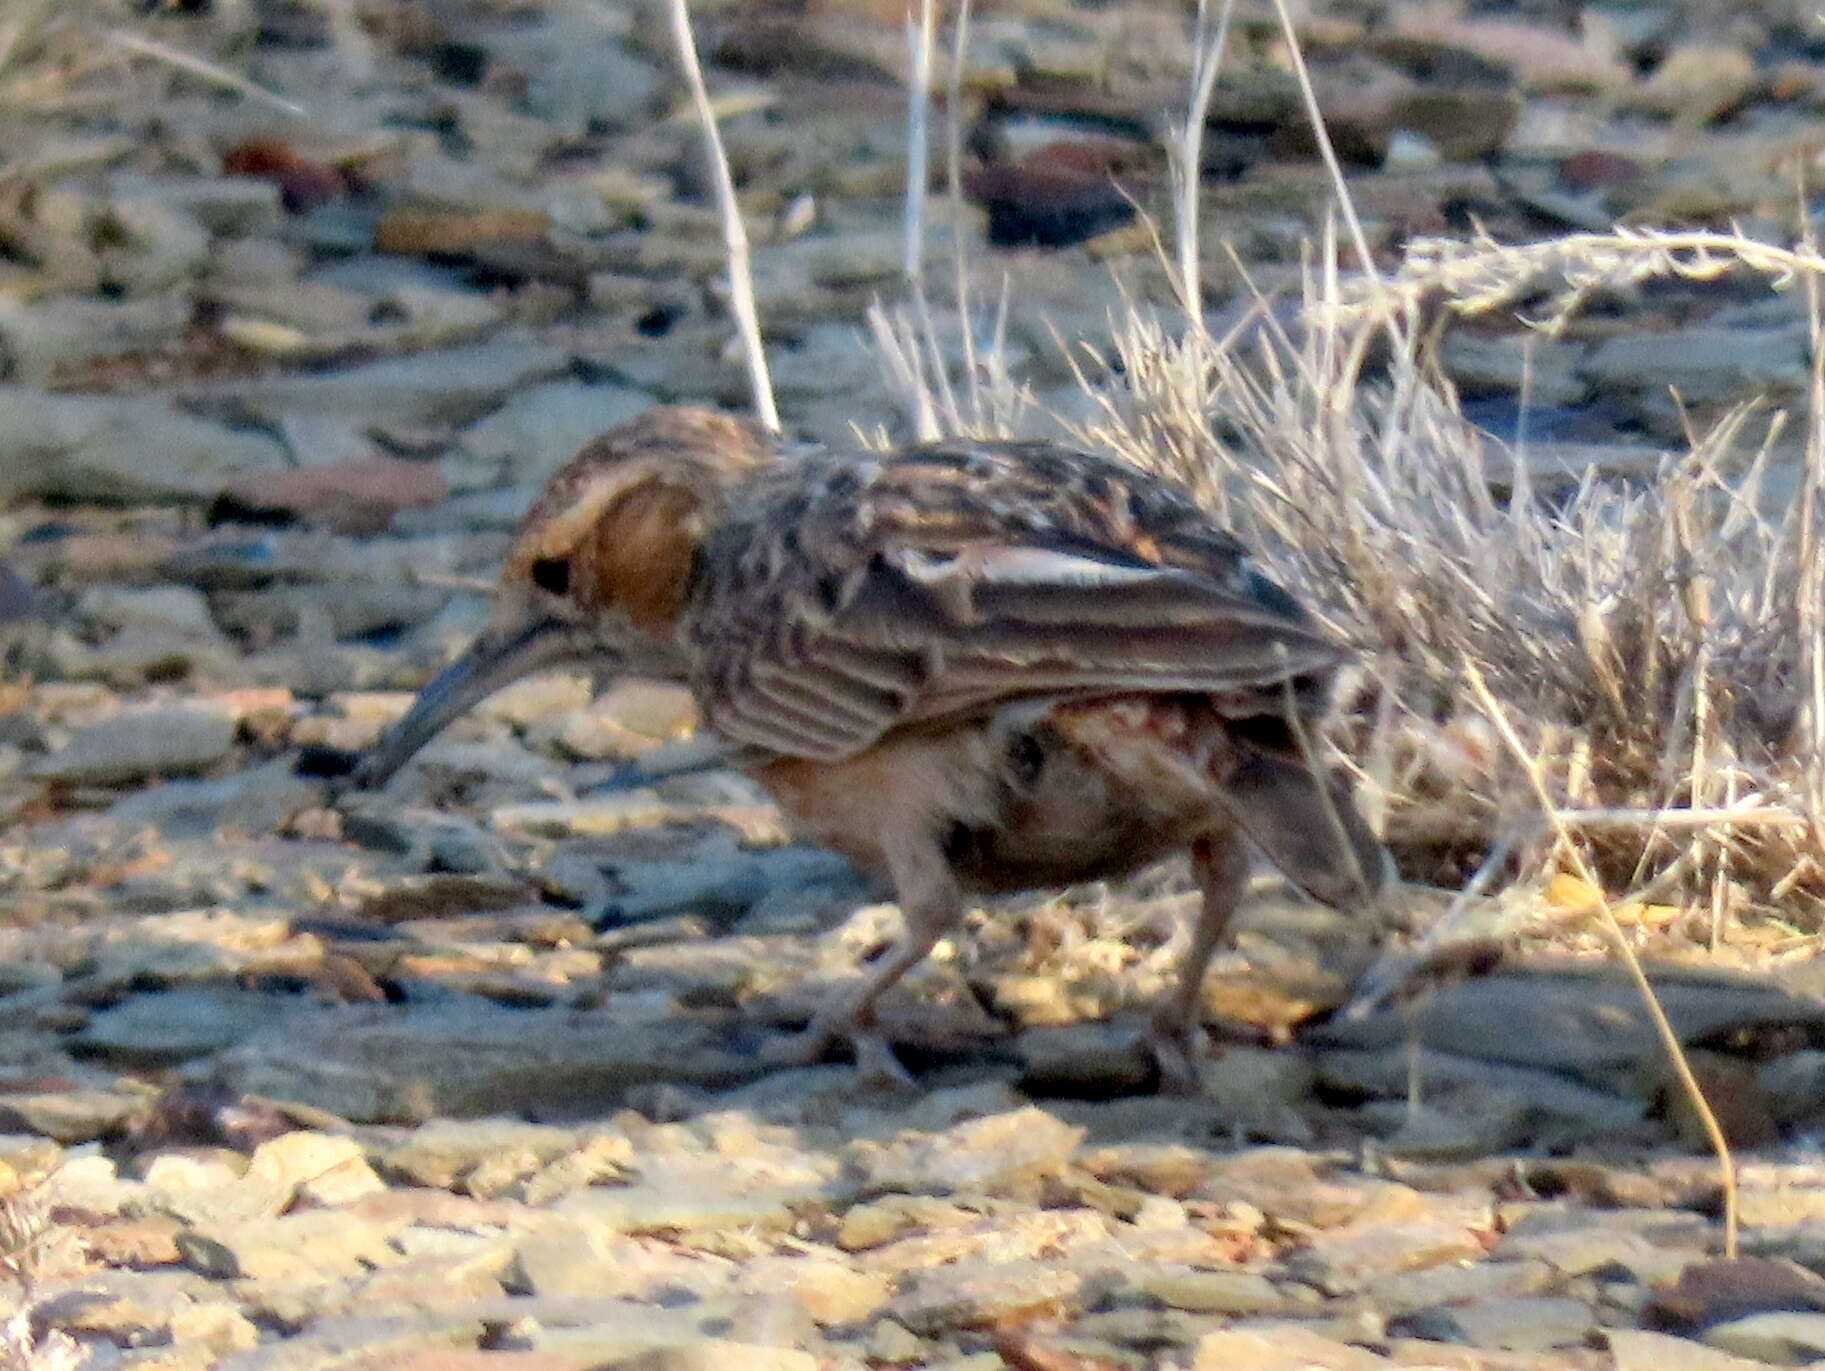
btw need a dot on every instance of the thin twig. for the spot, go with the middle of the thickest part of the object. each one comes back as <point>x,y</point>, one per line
<point>953,177</point>
<point>918,150</point>
<point>920,39</point>
<point>196,66</point>
<point>734,232</point>
<point>1365,259</point>
<point>1188,156</point>
<point>1663,1027</point>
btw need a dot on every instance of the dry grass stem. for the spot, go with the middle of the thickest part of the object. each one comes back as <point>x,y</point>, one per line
<point>1358,239</point>
<point>734,232</point>
<point>199,67</point>
<point>1663,1027</point>
<point>920,38</point>
<point>1477,275</point>
<point>1185,154</point>
<point>1650,636</point>
<point>953,179</point>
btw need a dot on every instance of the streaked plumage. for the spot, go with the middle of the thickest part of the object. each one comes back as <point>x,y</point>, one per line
<point>967,666</point>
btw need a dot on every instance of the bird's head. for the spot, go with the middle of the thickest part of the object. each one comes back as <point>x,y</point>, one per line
<point>598,571</point>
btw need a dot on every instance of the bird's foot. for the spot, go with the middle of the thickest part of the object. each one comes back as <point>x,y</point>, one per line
<point>874,1055</point>
<point>1179,1049</point>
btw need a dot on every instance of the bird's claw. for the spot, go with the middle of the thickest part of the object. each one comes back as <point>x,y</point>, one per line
<point>1178,1050</point>
<point>875,1061</point>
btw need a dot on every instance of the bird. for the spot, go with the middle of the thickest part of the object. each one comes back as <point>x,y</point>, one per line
<point>972,667</point>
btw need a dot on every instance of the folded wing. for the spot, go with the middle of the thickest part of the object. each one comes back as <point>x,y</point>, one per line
<point>911,635</point>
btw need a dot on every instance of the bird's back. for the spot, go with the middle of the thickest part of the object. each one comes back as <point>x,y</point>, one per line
<point>842,596</point>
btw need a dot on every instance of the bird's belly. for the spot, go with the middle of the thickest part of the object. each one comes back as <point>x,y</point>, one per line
<point>1089,791</point>
<point>1028,799</point>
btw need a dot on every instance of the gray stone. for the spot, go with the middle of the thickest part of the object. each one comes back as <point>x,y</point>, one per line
<point>721,880</point>
<point>174,1026</point>
<point>1203,1292</point>
<point>453,386</point>
<point>69,1116</point>
<point>982,1156</point>
<point>1471,1105</point>
<point>232,206</point>
<point>1778,1338</point>
<point>697,1203</point>
<point>1529,1323</point>
<point>1584,1020</point>
<point>1530,365</point>
<point>150,244</point>
<point>442,1152</point>
<point>316,315</point>
<point>261,262</point>
<point>310,1243</point>
<point>347,611</point>
<point>358,1340</point>
<point>178,610</point>
<point>1639,1350</point>
<point>1453,1283</point>
<point>580,75</point>
<point>437,316</point>
<point>830,359</point>
<point>1705,365</point>
<point>493,511</point>
<point>1085,1058</point>
<point>538,430</point>
<point>971,1293</point>
<point>629,1338</point>
<point>38,338</point>
<point>135,655</point>
<point>119,448</point>
<point>253,803</point>
<point>322,439</point>
<point>154,742</point>
<point>1256,1079</point>
<point>461,1056</point>
<point>718,1354</point>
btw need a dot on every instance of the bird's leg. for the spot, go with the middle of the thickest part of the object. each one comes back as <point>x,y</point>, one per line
<point>931,904</point>
<point>1219,863</point>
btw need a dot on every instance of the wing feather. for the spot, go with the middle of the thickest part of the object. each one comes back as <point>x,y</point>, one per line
<point>922,637</point>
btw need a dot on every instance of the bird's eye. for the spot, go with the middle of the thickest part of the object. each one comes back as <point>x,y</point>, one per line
<point>552,574</point>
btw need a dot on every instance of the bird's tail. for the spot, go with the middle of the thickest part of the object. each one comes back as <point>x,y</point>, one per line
<point>1308,826</point>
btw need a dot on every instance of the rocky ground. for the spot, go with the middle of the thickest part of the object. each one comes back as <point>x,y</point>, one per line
<point>465,1076</point>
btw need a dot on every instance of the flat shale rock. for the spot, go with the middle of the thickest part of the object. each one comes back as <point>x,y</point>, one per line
<point>467,1057</point>
<point>987,1155</point>
<point>1282,1347</point>
<point>537,430</point>
<point>120,448</point>
<point>1583,1020</point>
<point>453,386</point>
<point>173,740</point>
<point>175,1026</point>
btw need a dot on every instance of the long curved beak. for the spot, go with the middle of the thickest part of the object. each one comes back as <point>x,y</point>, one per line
<point>500,656</point>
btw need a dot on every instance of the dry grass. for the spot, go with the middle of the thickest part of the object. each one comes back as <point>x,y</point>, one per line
<point>1649,639</point>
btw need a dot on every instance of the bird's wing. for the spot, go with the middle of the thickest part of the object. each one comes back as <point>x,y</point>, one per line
<point>913,636</point>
